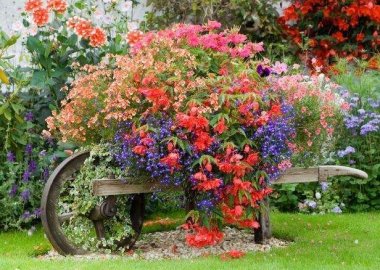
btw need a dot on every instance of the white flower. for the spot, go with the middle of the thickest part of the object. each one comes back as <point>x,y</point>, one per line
<point>318,195</point>
<point>132,26</point>
<point>17,26</point>
<point>125,7</point>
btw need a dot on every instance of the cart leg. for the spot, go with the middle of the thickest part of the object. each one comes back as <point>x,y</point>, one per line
<point>264,232</point>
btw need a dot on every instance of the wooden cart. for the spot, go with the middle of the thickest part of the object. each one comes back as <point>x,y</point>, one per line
<point>109,189</point>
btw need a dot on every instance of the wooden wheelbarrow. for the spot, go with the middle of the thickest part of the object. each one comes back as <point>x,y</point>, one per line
<point>59,183</point>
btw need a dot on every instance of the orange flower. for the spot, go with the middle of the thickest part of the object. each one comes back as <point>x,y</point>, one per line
<point>32,5</point>
<point>339,36</point>
<point>41,16</point>
<point>59,6</point>
<point>98,37</point>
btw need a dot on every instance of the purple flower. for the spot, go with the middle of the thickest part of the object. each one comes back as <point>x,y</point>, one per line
<point>325,186</point>
<point>46,174</point>
<point>345,152</point>
<point>26,215</point>
<point>336,210</point>
<point>26,176</point>
<point>11,157</point>
<point>311,204</point>
<point>42,153</point>
<point>367,128</point>
<point>37,212</point>
<point>32,166</point>
<point>29,116</point>
<point>28,149</point>
<point>25,195</point>
<point>13,190</point>
<point>263,72</point>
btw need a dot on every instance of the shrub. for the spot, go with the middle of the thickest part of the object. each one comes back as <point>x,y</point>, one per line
<point>333,28</point>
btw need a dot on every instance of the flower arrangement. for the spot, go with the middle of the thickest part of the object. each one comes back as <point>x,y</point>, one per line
<point>190,106</point>
<point>333,28</point>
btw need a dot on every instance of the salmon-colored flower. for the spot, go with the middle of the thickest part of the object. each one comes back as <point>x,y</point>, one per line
<point>32,5</point>
<point>98,37</point>
<point>59,6</point>
<point>41,16</point>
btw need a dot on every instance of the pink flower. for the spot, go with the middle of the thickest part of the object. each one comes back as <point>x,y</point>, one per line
<point>213,25</point>
<point>280,68</point>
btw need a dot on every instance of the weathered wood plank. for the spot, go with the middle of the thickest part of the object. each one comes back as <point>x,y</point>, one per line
<point>299,175</point>
<point>105,187</point>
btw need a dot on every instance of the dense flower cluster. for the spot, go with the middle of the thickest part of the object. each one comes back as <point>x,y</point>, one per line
<point>85,29</point>
<point>190,107</point>
<point>334,28</point>
<point>40,12</point>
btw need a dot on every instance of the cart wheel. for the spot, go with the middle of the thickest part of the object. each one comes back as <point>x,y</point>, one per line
<point>57,211</point>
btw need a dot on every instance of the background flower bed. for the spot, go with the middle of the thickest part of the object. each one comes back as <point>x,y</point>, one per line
<point>37,99</point>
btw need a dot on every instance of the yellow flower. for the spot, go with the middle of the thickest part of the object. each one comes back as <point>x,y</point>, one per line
<point>3,77</point>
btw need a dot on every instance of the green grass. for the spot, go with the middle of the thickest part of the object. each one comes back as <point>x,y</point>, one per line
<point>349,241</point>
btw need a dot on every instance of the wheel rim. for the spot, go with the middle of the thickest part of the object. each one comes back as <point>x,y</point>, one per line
<point>52,219</point>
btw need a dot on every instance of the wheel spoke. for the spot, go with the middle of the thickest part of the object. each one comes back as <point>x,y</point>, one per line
<point>65,217</point>
<point>99,229</point>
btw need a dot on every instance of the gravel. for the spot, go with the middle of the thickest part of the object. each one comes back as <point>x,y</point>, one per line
<point>172,245</point>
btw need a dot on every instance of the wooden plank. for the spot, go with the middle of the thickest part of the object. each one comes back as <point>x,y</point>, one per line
<point>264,232</point>
<point>105,187</point>
<point>298,175</point>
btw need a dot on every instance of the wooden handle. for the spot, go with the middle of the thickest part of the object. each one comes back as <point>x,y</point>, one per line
<point>332,170</point>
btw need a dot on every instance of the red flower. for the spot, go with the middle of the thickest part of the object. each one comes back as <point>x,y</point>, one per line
<point>59,6</point>
<point>359,37</point>
<point>220,126</point>
<point>275,110</point>
<point>157,96</point>
<point>253,159</point>
<point>41,16</point>
<point>171,160</point>
<point>233,254</point>
<point>204,237</point>
<point>249,223</point>
<point>32,5</point>
<point>209,185</point>
<point>203,141</point>
<point>140,150</point>
<point>339,36</point>
<point>98,37</point>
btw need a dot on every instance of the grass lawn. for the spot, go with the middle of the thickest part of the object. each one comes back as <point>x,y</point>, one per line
<point>349,241</point>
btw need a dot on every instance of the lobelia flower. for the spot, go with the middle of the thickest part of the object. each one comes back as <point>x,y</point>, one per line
<point>25,195</point>
<point>29,116</point>
<point>28,149</point>
<point>11,157</point>
<point>13,190</point>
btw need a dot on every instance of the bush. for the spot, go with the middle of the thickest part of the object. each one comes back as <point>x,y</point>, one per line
<point>326,29</point>
<point>356,146</point>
